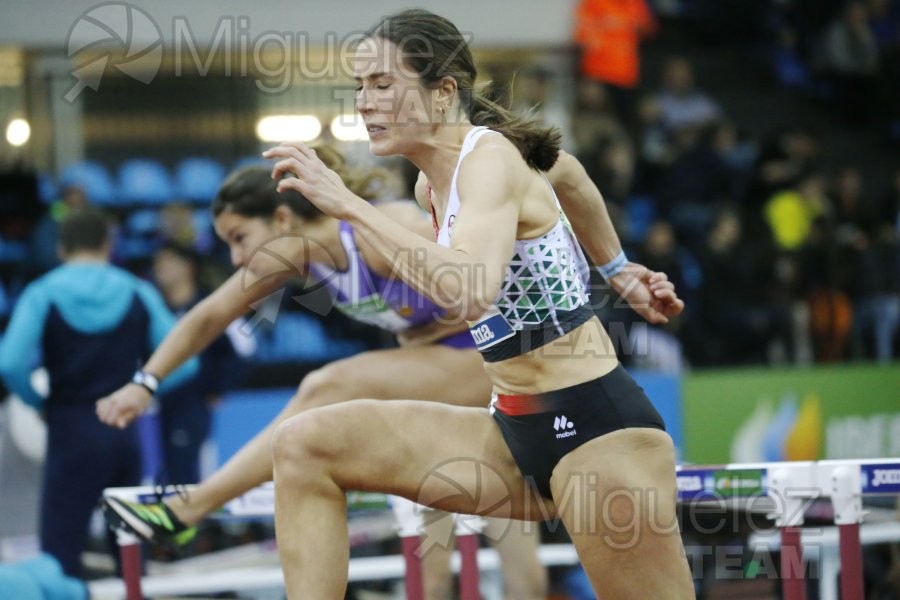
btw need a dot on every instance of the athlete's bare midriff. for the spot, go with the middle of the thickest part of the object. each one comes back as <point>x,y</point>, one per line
<point>585,353</point>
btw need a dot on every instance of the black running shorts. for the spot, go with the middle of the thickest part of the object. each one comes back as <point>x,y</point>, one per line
<point>540,429</point>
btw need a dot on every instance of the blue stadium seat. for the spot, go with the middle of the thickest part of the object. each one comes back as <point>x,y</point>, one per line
<point>143,222</point>
<point>144,181</point>
<point>252,161</point>
<point>93,178</point>
<point>197,179</point>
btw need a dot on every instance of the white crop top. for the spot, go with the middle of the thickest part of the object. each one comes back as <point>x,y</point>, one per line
<point>545,289</point>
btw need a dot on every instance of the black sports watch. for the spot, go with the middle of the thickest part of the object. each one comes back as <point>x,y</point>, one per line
<point>146,380</point>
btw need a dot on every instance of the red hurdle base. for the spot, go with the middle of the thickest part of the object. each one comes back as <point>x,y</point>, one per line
<point>468,567</point>
<point>131,570</point>
<point>415,587</point>
<point>851,562</point>
<point>793,577</point>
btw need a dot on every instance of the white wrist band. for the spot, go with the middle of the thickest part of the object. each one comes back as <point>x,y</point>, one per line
<point>613,267</point>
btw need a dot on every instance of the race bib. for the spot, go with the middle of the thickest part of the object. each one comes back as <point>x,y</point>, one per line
<point>491,329</point>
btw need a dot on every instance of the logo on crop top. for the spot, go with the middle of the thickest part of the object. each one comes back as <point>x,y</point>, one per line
<point>565,427</point>
<point>482,334</point>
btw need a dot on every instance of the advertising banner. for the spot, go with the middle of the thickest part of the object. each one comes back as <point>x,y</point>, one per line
<point>792,414</point>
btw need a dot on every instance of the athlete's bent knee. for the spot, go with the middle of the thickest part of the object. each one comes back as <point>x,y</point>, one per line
<point>303,439</point>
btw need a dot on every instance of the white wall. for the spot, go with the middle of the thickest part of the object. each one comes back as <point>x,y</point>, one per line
<point>47,23</point>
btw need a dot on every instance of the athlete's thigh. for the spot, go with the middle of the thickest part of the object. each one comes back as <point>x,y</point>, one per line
<point>448,457</point>
<point>616,498</point>
<point>436,373</point>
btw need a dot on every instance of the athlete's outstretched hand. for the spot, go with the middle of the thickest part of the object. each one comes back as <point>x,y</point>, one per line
<point>123,406</point>
<point>319,184</point>
<point>649,293</point>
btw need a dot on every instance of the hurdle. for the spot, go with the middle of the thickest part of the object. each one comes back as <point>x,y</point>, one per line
<point>260,502</point>
<point>789,487</point>
<point>783,489</point>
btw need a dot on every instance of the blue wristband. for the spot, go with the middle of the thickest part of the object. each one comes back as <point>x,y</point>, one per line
<point>613,267</point>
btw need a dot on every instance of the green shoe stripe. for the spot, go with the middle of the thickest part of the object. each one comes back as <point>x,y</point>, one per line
<point>154,514</point>
<point>183,537</point>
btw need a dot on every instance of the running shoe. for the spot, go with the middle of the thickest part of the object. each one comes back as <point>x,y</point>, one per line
<point>154,523</point>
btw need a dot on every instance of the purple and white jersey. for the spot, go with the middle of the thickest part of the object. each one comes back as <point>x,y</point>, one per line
<point>370,298</point>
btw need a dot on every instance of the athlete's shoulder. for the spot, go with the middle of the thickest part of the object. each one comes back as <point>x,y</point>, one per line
<point>495,150</point>
<point>566,169</point>
<point>495,159</point>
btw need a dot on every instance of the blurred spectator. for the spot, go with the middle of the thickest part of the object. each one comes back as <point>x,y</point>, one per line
<point>850,58</point>
<point>875,291</point>
<point>594,121</point>
<point>691,188</point>
<point>871,252</point>
<point>854,212</point>
<point>177,225</point>
<point>602,143</point>
<point>681,104</point>
<point>661,249</point>
<point>786,156</point>
<point>185,411</point>
<point>92,324</point>
<point>534,95</point>
<point>610,165</point>
<point>790,68</point>
<point>791,212</point>
<point>809,18</point>
<point>609,34</point>
<point>822,279</point>
<point>744,305</point>
<point>656,151</point>
<point>737,154</point>
<point>884,21</point>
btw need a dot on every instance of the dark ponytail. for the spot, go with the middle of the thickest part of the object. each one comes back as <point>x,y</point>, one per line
<point>538,145</point>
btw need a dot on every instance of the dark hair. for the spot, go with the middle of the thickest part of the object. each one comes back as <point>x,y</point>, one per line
<point>434,48</point>
<point>251,191</point>
<point>84,228</point>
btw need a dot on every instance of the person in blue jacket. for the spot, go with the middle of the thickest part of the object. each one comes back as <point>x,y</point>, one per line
<point>186,411</point>
<point>91,325</point>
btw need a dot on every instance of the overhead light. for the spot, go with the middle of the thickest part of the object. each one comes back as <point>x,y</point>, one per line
<point>18,132</point>
<point>349,128</point>
<point>284,128</point>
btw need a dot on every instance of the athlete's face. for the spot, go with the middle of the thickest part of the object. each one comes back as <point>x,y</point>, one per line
<point>398,112</point>
<point>261,246</point>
